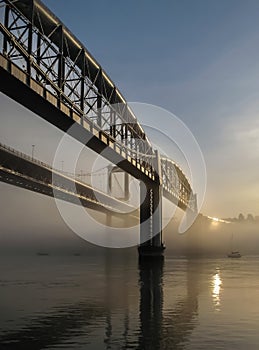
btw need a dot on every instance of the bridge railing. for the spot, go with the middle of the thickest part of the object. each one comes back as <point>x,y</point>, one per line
<point>40,163</point>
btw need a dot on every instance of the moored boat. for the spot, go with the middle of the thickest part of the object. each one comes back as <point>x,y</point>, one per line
<point>234,254</point>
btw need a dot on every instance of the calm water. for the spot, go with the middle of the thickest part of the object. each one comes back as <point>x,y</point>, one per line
<point>110,302</point>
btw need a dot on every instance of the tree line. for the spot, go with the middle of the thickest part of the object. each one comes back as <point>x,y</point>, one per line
<point>242,218</point>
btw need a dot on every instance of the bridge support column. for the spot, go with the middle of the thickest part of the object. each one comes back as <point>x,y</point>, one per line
<point>151,216</point>
<point>145,216</point>
<point>113,170</point>
<point>157,217</point>
<point>151,222</point>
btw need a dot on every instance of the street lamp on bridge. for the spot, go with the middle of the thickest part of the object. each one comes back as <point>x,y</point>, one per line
<point>32,151</point>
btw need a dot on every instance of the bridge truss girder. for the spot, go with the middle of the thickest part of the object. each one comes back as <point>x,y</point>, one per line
<point>39,51</point>
<point>49,54</point>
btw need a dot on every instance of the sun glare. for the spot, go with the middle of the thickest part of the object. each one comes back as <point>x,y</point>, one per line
<point>216,287</point>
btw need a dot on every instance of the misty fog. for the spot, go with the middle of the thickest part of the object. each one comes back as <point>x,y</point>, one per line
<point>31,223</point>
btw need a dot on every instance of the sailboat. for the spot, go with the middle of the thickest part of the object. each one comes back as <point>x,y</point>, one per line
<point>234,254</point>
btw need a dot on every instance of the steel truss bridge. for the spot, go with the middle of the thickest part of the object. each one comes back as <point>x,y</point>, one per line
<point>44,67</point>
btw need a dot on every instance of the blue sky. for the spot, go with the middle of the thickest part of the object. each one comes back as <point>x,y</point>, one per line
<point>197,59</point>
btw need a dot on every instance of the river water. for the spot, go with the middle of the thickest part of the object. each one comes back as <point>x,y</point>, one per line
<point>112,302</point>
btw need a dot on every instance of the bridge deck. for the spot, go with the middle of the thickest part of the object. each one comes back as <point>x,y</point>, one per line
<point>21,170</point>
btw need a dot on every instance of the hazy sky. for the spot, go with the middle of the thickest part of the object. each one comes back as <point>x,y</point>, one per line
<point>197,59</point>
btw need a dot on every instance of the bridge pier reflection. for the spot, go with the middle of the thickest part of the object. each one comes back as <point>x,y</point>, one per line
<point>151,303</point>
<point>167,320</point>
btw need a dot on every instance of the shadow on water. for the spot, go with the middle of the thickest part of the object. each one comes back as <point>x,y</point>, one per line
<point>121,322</point>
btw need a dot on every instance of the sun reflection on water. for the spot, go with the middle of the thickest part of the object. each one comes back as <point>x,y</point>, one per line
<point>216,288</point>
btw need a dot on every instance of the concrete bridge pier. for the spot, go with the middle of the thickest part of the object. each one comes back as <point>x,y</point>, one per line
<point>151,245</point>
